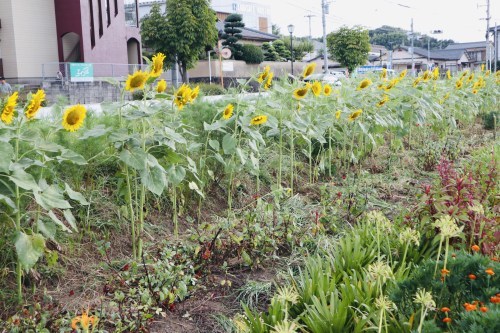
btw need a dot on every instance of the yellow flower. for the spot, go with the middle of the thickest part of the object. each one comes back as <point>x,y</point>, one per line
<point>85,321</point>
<point>435,73</point>
<point>194,93</point>
<point>35,104</point>
<point>427,75</point>
<point>488,72</point>
<point>391,84</point>
<point>337,114</point>
<point>269,80</point>
<point>73,117</point>
<point>459,84</point>
<point>383,74</point>
<point>136,81</point>
<point>448,74</point>
<point>363,84</point>
<point>259,120</point>
<point>470,78</point>
<point>327,90</point>
<point>474,91</point>
<point>355,115</point>
<point>228,111</point>
<point>403,73</point>
<point>482,67</point>
<point>417,81</point>
<point>161,86</point>
<point>9,107</point>
<point>383,101</point>
<point>262,76</point>
<point>182,96</point>
<point>309,69</point>
<point>300,93</point>
<point>316,88</point>
<point>157,65</point>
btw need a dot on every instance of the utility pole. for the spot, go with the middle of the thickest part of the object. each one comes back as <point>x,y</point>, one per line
<point>325,52</point>
<point>412,58</point>
<point>309,17</point>
<point>495,40</point>
<point>488,64</point>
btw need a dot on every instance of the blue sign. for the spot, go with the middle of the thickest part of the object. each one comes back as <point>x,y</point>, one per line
<point>365,69</point>
<point>81,72</point>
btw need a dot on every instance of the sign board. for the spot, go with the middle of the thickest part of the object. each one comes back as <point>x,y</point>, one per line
<point>365,69</point>
<point>81,72</point>
<point>227,66</point>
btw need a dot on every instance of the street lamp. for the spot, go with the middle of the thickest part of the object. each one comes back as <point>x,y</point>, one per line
<point>291,27</point>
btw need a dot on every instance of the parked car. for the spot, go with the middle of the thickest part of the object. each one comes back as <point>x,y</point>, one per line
<point>324,78</point>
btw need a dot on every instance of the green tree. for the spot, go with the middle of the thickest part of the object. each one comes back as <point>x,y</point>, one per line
<point>270,53</point>
<point>349,47</point>
<point>392,37</point>
<point>301,46</point>
<point>182,33</point>
<point>252,54</point>
<point>283,51</point>
<point>232,34</point>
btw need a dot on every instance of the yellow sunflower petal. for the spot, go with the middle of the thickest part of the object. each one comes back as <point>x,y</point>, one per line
<point>73,117</point>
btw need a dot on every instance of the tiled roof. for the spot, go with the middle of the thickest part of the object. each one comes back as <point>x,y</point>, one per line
<point>447,54</point>
<point>251,34</point>
<point>463,46</point>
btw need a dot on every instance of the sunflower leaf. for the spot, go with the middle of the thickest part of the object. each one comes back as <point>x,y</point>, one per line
<point>24,180</point>
<point>229,144</point>
<point>51,198</point>
<point>77,196</point>
<point>58,222</point>
<point>70,218</point>
<point>134,158</point>
<point>7,152</point>
<point>29,249</point>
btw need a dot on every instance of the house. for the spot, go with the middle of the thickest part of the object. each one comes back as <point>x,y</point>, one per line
<point>36,36</point>
<point>251,36</point>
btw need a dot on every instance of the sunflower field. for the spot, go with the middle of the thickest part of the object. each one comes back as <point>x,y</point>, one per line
<point>371,206</point>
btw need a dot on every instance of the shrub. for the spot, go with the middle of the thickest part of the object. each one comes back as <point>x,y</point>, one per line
<point>252,54</point>
<point>491,119</point>
<point>211,89</point>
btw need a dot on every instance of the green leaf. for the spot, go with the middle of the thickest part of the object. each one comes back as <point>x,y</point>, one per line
<point>215,126</point>
<point>229,144</point>
<point>8,201</point>
<point>6,153</point>
<point>134,158</point>
<point>173,135</point>
<point>69,155</point>
<point>29,249</point>
<point>68,215</point>
<point>73,195</point>
<point>95,132</point>
<point>47,228</point>
<point>241,155</point>
<point>58,222</point>
<point>50,198</point>
<point>154,179</point>
<point>214,144</point>
<point>176,174</point>
<point>246,258</point>
<point>24,180</point>
<point>193,186</point>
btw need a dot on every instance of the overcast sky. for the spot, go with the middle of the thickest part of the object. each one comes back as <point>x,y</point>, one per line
<point>460,20</point>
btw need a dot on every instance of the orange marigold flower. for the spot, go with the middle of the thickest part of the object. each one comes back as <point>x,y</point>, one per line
<point>445,310</point>
<point>490,271</point>
<point>483,309</point>
<point>472,276</point>
<point>444,272</point>
<point>475,248</point>
<point>470,307</point>
<point>495,299</point>
<point>447,320</point>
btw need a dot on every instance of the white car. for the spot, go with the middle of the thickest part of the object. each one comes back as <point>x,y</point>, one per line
<point>324,78</point>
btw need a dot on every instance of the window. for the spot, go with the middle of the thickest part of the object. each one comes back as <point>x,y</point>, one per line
<point>99,11</point>
<point>116,7</point>
<point>108,12</point>
<point>235,7</point>
<point>131,13</point>
<point>92,32</point>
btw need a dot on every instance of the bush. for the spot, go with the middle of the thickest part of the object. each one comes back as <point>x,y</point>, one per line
<point>252,54</point>
<point>491,119</point>
<point>211,89</point>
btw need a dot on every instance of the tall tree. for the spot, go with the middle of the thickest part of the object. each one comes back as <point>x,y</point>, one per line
<point>392,37</point>
<point>350,47</point>
<point>232,34</point>
<point>270,53</point>
<point>282,50</point>
<point>182,33</point>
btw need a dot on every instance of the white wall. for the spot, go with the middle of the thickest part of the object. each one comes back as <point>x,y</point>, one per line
<point>7,40</point>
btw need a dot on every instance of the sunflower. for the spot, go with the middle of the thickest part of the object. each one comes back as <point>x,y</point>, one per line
<point>228,111</point>
<point>9,107</point>
<point>363,84</point>
<point>182,96</point>
<point>383,73</point>
<point>391,84</point>
<point>259,120</point>
<point>488,72</point>
<point>157,65</point>
<point>448,74</point>
<point>427,75</point>
<point>459,84</point>
<point>35,104</point>
<point>470,78</point>
<point>300,93</point>
<point>161,86</point>
<point>327,90</point>
<point>308,70</point>
<point>263,76</point>
<point>403,74</point>
<point>435,73</point>
<point>383,101</point>
<point>417,81</point>
<point>355,115</point>
<point>338,114</point>
<point>269,81</point>
<point>136,81</point>
<point>73,117</point>
<point>474,91</point>
<point>482,67</point>
<point>316,88</point>
<point>194,93</point>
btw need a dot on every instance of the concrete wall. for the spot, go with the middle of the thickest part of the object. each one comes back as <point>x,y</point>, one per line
<point>28,36</point>
<point>242,69</point>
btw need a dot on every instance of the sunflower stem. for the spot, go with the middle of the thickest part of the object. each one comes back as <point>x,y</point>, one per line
<point>132,211</point>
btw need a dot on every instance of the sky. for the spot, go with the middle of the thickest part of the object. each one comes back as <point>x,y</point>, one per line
<point>460,20</point>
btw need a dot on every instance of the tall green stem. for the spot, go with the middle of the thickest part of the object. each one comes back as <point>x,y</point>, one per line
<point>292,160</point>
<point>19,272</point>
<point>131,211</point>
